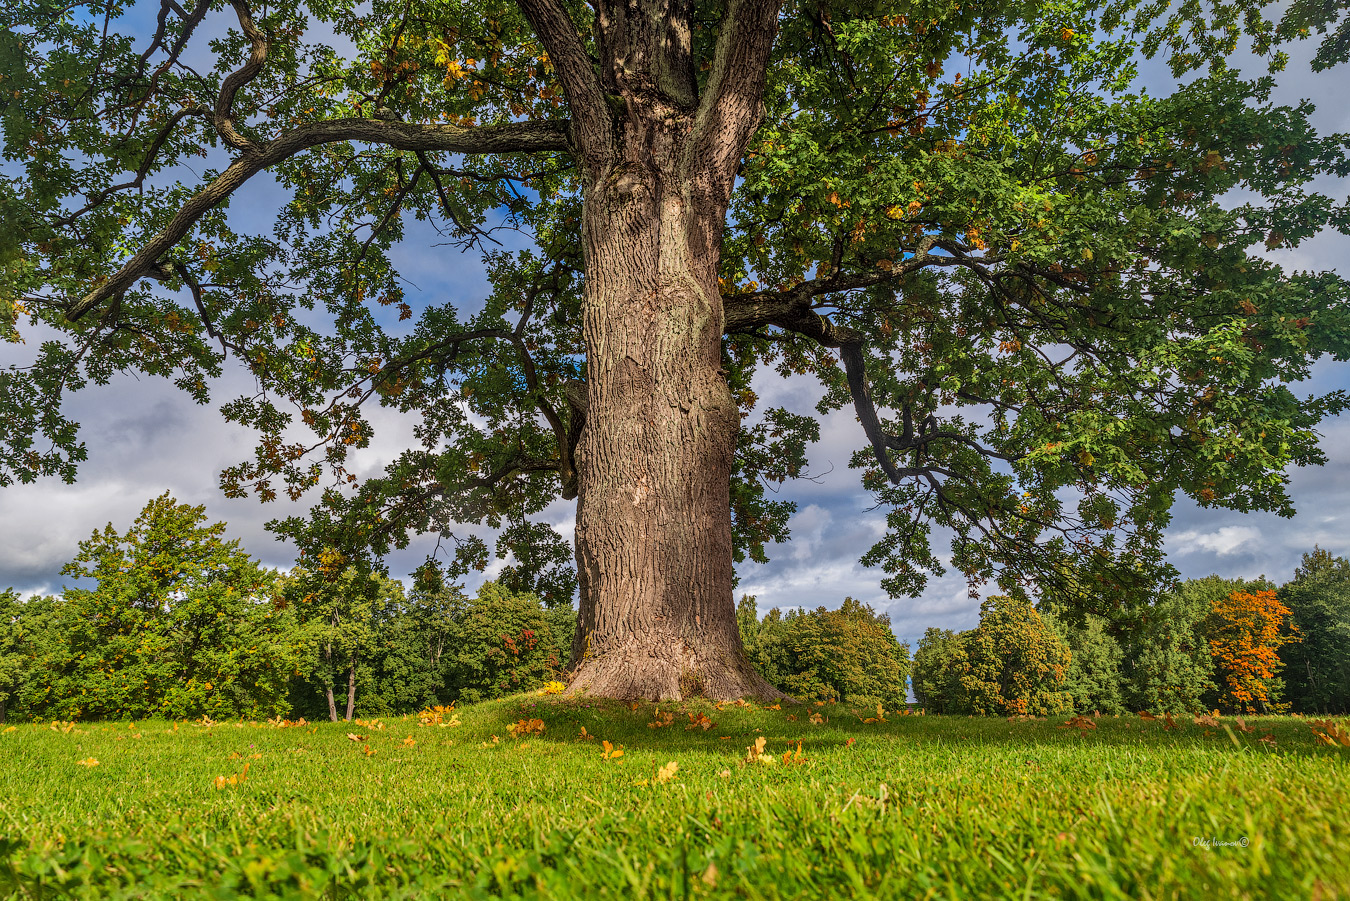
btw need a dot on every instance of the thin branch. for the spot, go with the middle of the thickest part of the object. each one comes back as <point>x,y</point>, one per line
<point>515,137</point>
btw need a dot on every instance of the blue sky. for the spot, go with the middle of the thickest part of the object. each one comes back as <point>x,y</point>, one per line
<point>145,437</point>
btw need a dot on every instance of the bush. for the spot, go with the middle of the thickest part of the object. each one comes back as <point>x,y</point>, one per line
<point>504,642</point>
<point>849,654</point>
<point>1012,663</point>
<point>180,624</point>
<point>1166,665</point>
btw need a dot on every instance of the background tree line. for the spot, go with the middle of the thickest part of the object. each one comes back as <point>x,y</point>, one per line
<point>1238,646</point>
<point>180,623</point>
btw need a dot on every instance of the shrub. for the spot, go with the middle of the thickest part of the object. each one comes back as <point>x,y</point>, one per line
<point>850,654</point>
<point>180,624</point>
<point>503,643</point>
<point>1012,663</point>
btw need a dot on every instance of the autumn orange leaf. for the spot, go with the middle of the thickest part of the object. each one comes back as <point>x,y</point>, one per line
<point>610,752</point>
<point>666,773</point>
<point>88,761</point>
<point>1329,732</point>
<point>526,727</point>
<point>1081,723</point>
<point>352,736</point>
<point>699,721</point>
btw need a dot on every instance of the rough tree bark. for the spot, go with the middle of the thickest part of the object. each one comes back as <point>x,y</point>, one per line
<point>659,158</point>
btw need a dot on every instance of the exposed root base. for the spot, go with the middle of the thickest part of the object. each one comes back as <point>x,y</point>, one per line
<point>651,674</point>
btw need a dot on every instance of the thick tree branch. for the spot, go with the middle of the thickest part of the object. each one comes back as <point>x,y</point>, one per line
<point>594,129</point>
<point>224,117</point>
<point>516,137</point>
<point>732,106</point>
<point>791,309</point>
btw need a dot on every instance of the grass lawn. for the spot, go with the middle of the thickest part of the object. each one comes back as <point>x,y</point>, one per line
<point>910,807</point>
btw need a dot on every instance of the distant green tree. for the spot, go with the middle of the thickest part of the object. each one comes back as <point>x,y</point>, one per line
<point>937,675</point>
<point>504,642</point>
<point>1317,669</point>
<point>14,659</point>
<point>1013,662</point>
<point>850,653</point>
<point>763,640</point>
<point>1166,663</point>
<point>180,623</point>
<point>339,607</point>
<point>403,668</point>
<point>1093,678</point>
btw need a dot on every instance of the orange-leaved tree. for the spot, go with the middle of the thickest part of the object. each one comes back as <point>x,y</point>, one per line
<point>1246,631</point>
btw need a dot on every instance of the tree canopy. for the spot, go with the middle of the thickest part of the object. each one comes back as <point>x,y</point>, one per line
<point>1044,291</point>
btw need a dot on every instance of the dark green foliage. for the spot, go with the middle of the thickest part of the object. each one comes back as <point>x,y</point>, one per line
<point>179,624</point>
<point>16,651</point>
<point>937,675</point>
<point>1317,668</point>
<point>1093,679</point>
<point>1166,663</point>
<point>439,646</point>
<point>849,654</point>
<point>503,643</point>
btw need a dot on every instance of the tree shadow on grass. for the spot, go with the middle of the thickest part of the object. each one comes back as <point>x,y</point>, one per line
<point>678,727</point>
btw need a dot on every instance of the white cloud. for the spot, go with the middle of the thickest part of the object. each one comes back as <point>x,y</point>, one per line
<point>1225,541</point>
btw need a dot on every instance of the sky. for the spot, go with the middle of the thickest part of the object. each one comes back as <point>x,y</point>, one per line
<point>145,437</point>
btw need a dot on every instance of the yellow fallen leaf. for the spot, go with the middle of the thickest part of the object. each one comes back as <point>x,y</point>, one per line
<point>667,772</point>
<point>755,753</point>
<point>351,736</point>
<point>610,752</point>
<point>409,741</point>
<point>88,761</point>
<point>10,729</point>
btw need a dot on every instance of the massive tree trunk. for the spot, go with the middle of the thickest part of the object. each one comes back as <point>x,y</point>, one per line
<point>653,534</point>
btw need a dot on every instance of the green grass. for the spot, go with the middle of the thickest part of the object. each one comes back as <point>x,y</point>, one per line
<point>914,807</point>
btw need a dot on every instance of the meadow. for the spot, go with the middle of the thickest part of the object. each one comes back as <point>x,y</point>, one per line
<point>513,799</point>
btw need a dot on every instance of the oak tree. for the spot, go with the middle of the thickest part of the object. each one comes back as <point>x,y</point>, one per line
<point>1028,277</point>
